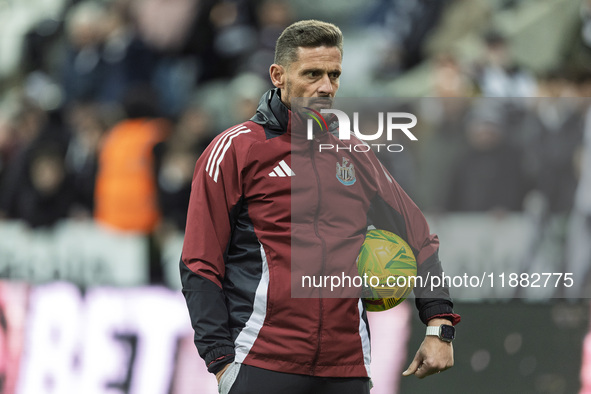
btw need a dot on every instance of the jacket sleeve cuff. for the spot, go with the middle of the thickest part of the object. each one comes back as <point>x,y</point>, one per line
<point>434,308</point>
<point>454,318</point>
<point>218,358</point>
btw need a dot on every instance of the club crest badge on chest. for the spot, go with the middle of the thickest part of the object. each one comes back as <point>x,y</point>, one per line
<point>346,172</point>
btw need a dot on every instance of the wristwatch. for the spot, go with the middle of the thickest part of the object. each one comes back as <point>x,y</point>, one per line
<point>445,332</point>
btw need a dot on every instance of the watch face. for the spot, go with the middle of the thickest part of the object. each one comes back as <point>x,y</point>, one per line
<point>447,333</point>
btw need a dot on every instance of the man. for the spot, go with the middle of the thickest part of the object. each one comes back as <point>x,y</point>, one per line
<point>236,261</point>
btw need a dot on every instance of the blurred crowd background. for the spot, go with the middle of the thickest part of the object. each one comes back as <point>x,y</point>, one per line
<point>105,105</point>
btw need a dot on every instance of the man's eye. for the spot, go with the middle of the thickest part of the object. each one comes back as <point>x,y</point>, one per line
<point>313,74</point>
<point>335,75</point>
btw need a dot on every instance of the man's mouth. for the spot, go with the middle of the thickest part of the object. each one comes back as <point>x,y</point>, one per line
<point>321,102</point>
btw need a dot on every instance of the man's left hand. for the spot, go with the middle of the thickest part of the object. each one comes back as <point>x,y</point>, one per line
<point>433,356</point>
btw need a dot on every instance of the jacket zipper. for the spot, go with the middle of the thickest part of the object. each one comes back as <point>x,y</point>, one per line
<point>323,245</point>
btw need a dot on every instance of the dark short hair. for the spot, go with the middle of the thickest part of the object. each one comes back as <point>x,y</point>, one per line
<point>308,34</point>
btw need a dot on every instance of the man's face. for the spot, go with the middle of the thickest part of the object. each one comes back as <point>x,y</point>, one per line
<point>315,74</point>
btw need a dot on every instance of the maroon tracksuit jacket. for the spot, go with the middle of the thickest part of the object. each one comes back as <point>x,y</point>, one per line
<point>252,204</point>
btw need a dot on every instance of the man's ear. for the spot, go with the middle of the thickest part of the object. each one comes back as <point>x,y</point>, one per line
<point>277,74</point>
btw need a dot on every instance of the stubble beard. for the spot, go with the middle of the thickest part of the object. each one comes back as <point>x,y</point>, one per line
<point>286,98</point>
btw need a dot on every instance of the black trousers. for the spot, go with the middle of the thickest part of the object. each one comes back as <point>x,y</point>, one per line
<point>253,380</point>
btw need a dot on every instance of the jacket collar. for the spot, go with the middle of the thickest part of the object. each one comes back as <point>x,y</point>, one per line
<point>276,118</point>
<point>272,114</point>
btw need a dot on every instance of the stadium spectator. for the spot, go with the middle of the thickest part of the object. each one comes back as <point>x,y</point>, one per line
<point>489,176</point>
<point>223,36</point>
<point>162,24</point>
<point>166,28</point>
<point>554,132</point>
<point>81,67</point>
<point>449,78</point>
<point>174,163</point>
<point>577,59</point>
<point>461,21</point>
<point>46,195</point>
<point>42,194</point>
<point>246,90</point>
<point>443,141</point>
<point>126,194</point>
<point>403,26</point>
<point>88,123</point>
<point>35,180</point>
<point>273,16</point>
<point>499,75</point>
<point>104,56</point>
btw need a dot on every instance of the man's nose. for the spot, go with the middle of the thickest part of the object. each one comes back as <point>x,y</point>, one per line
<point>325,87</point>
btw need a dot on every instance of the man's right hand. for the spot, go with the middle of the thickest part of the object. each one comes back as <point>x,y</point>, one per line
<point>218,375</point>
